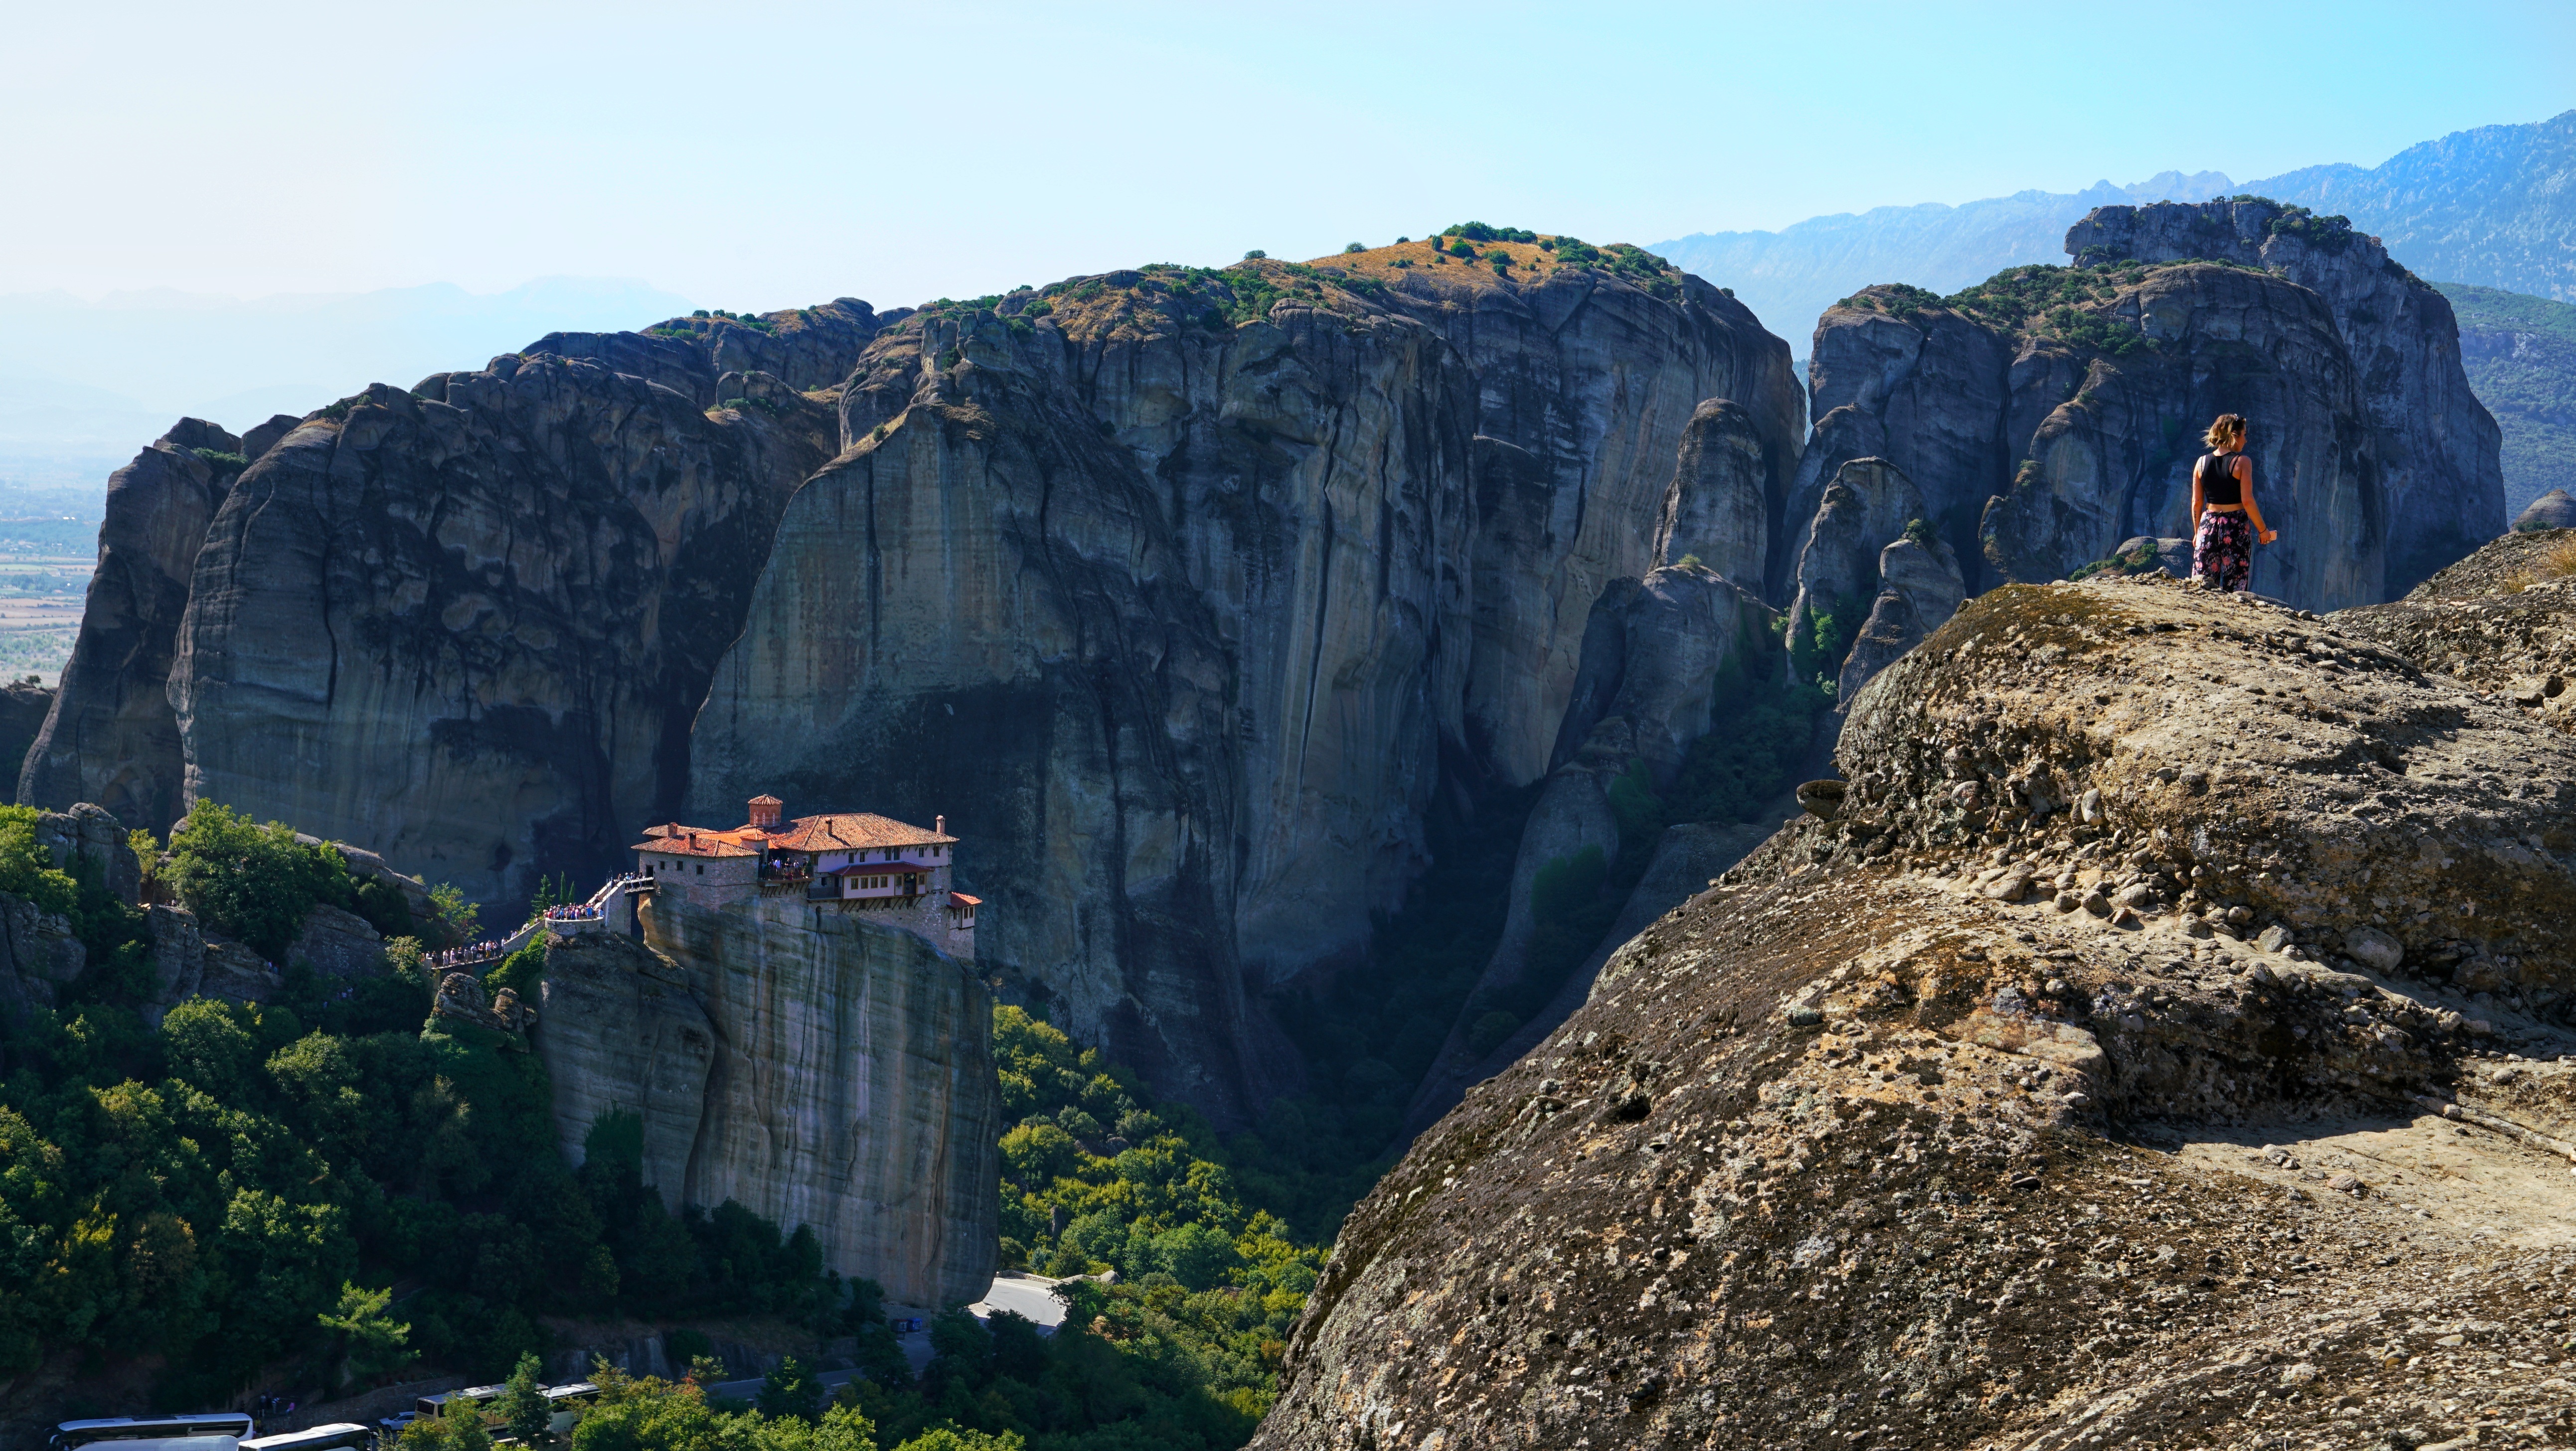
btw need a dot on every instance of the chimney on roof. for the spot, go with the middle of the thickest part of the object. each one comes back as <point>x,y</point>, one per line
<point>765,811</point>
<point>939,825</point>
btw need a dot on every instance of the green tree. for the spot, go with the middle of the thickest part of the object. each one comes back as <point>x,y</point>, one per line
<point>454,918</point>
<point>790,1390</point>
<point>26,869</point>
<point>371,1341</point>
<point>522,1407</point>
<point>255,882</point>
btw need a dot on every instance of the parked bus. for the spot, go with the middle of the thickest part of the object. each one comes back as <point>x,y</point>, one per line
<point>476,1396</point>
<point>236,1425</point>
<point>338,1436</point>
<point>567,1403</point>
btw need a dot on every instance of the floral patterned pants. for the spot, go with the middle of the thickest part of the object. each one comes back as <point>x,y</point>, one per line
<point>2222,549</point>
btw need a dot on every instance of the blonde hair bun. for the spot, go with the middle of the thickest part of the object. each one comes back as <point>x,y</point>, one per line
<point>2230,428</point>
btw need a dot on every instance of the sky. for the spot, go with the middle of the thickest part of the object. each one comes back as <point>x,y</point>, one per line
<point>762,156</point>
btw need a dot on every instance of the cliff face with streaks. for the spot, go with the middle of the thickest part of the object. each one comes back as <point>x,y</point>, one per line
<point>820,1070</point>
<point>468,623</point>
<point>1182,625</point>
<point>2049,414</point>
<point>1181,593</point>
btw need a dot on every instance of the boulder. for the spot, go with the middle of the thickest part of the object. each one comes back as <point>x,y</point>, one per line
<point>88,830</point>
<point>2170,555</point>
<point>338,944</point>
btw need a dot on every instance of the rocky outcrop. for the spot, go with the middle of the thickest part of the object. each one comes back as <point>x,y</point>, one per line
<point>1718,507</point>
<point>1653,649</point>
<point>814,1067</point>
<point>2050,413</point>
<point>2439,450</point>
<point>2495,623</point>
<point>2165,950</point>
<point>520,588</point>
<point>1918,591</point>
<point>23,708</point>
<point>41,957</point>
<point>1869,503</point>
<point>469,623</point>
<point>461,999</point>
<point>1654,654</point>
<point>1924,388</point>
<point>111,737</point>
<point>2552,510</point>
<point>89,831</point>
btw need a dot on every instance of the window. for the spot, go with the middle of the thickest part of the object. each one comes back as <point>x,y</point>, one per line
<point>702,869</point>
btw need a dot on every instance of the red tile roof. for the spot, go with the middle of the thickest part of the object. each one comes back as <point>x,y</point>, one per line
<point>846,830</point>
<point>960,899</point>
<point>699,841</point>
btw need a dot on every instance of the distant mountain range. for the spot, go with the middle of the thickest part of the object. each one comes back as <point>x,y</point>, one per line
<point>2495,207</point>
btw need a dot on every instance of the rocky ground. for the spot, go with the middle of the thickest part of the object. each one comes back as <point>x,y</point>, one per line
<point>2163,1043</point>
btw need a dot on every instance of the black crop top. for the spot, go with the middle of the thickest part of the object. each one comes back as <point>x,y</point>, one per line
<point>2218,484</point>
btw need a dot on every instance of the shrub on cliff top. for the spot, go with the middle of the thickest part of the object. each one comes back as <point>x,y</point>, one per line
<point>26,869</point>
<point>257,883</point>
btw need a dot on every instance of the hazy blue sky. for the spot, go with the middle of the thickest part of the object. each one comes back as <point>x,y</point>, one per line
<point>764,156</point>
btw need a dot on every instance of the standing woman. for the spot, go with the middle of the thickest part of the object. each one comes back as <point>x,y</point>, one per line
<point>2225,520</point>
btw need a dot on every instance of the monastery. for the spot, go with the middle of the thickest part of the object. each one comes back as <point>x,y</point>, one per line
<point>851,861</point>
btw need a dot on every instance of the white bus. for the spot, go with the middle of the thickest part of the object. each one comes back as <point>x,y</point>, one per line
<point>475,1396</point>
<point>338,1436</point>
<point>234,1425</point>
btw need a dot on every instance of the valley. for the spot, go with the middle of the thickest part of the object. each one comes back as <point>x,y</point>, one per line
<point>1379,704</point>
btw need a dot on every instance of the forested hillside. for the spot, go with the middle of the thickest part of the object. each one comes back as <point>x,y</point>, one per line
<point>2520,352</point>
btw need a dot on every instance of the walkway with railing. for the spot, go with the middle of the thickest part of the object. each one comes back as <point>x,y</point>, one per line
<point>604,912</point>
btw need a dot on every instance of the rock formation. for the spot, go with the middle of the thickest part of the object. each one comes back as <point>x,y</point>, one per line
<point>815,1067</point>
<point>1918,592</point>
<point>111,737</point>
<point>1718,508</point>
<point>2166,952</point>
<point>23,708</point>
<point>39,953</point>
<point>2439,453</point>
<point>1654,654</point>
<point>468,624</point>
<point>1178,624</point>
<point>2552,510</point>
<point>1868,504</point>
<point>1177,591</point>
<point>2050,413</point>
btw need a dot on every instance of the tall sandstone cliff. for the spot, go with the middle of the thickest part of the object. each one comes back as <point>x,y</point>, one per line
<point>469,623</point>
<point>1180,593</point>
<point>2050,414</point>
<point>1181,626</point>
<point>2154,1047</point>
<point>817,1068</point>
